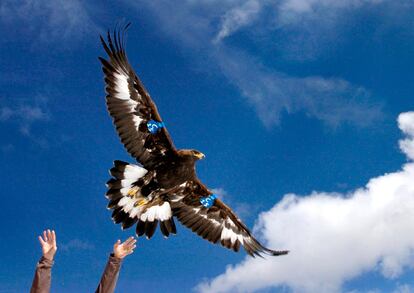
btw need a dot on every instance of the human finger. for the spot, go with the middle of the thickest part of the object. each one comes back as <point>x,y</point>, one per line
<point>131,250</point>
<point>117,243</point>
<point>45,236</point>
<point>132,243</point>
<point>49,235</point>
<point>42,242</point>
<point>129,240</point>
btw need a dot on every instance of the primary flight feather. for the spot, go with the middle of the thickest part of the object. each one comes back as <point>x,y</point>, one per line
<point>165,186</point>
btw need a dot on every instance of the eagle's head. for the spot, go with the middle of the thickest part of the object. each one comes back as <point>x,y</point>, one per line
<point>194,154</point>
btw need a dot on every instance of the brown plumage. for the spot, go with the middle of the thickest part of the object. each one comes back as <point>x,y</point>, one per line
<point>165,185</point>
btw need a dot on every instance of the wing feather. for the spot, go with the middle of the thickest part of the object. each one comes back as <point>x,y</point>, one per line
<point>131,107</point>
<point>217,223</point>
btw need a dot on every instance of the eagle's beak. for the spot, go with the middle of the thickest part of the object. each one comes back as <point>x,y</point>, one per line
<point>200,156</point>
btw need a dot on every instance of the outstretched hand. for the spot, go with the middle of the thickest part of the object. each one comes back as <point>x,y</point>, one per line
<point>126,248</point>
<point>48,244</point>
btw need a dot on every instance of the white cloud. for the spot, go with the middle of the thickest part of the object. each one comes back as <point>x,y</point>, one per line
<point>303,30</point>
<point>48,20</point>
<point>295,10</point>
<point>331,100</point>
<point>334,237</point>
<point>238,17</point>
<point>269,91</point>
<point>26,115</point>
<point>6,148</point>
<point>220,192</point>
<point>406,124</point>
<point>242,209</point>
<point>76,244</point>
<point>5,113</point>
<point>288,12</point>
<point>405,288</point>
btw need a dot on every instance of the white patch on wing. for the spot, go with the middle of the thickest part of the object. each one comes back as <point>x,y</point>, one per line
<point>137,121</point>
<point>135,212</point>
<point>129,206</point>
<point>177,198</point>
<point>124,201</point>
<point>134,172</point>
<point>230,234</point>
<point>127,203</point>
<point>162,213</point>
<point>121,86</point>
<point>211,220</point>
<point>124,190</point>
<point>127,182</point>
<point>132,105</point>
<point>122,89</point>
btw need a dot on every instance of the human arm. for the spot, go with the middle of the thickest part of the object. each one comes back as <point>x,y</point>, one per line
<point>43,274</point>
<point>111,273</point>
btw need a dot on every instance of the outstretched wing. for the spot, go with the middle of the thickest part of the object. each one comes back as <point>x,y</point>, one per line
<point>217,223</point>
<point>131,107</point>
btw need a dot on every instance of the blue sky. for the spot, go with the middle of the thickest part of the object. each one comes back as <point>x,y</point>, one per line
<point>284,97</point>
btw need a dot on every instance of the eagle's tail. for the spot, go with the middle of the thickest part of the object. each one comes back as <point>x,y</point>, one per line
<point>133,198</point>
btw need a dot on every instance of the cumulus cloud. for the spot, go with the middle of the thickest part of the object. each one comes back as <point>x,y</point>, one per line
<point>406,124</point>
<point>334,237</point>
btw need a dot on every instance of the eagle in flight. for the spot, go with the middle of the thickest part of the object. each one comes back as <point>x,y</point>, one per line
<point>165,184</point>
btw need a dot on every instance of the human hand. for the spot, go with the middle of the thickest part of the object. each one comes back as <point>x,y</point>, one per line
<point>48,244</point>
<point>123,249</point>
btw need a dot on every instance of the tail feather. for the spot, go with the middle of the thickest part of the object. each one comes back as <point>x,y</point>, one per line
<point>140,229</point>
<point>129,222</point>
<point>128,193</point>
<point>168,227</point>
<point>164,229</point>
<point>118,215</point>
<point>150,227</point>
<point>113,202</point>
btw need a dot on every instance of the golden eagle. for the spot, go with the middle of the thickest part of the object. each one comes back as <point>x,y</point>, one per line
<point>165,185</point>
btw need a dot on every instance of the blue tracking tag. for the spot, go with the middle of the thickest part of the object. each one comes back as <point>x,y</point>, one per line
<point>154,126</point>
<point>208,201</point>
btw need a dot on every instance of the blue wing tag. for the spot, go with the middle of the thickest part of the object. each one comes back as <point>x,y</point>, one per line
<point>154,126</point>
<point>208,201</point>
